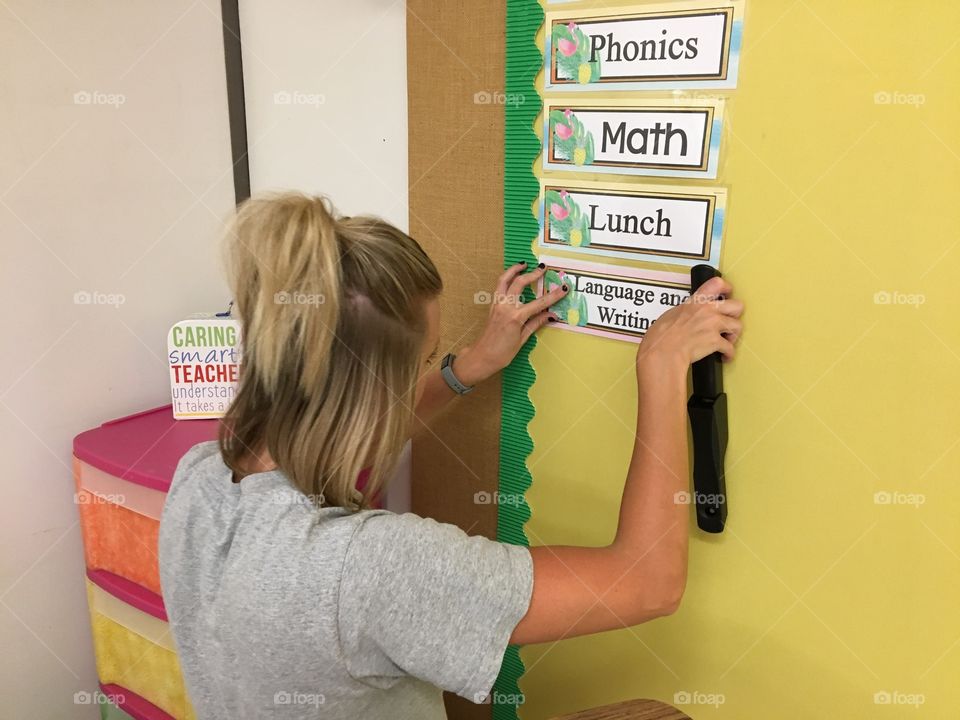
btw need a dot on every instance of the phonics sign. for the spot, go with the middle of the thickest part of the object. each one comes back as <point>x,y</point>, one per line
<point>638,50</point>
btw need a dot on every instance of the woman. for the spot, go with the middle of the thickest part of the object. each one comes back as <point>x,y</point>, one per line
<point>288,596</point>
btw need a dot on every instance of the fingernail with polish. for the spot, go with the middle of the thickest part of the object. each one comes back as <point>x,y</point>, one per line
<point>522,262</point>
<point>553,319</point>
<point>542,266</point>
<point>565,288</point>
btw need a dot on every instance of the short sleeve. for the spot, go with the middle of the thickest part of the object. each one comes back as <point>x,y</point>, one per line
<point>422,598</point>
<point>194,456</point>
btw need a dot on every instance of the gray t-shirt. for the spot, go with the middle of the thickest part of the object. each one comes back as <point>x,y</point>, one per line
<point>280,610</point>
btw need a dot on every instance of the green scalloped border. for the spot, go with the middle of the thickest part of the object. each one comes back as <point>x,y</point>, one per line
<point>520,191</point>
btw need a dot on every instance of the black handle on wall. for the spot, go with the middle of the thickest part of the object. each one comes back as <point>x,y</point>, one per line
<point>707,409</point>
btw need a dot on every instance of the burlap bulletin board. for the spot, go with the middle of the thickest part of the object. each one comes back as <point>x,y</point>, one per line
<point>455,69</point>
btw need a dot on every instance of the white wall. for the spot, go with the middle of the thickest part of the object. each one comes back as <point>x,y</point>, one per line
<point>124,195</point>
<point>343,132</point>
<point>124,199</point>
<point>326,97</point>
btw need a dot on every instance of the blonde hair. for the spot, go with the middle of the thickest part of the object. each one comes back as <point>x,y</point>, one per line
<point>332,311</point>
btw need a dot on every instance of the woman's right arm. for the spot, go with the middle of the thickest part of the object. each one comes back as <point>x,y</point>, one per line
<point>641,575</point>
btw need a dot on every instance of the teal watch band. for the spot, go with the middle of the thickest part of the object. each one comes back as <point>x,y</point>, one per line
<point>446,371</point>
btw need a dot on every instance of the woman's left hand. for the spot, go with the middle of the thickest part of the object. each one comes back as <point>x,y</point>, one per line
<point>510,325</point>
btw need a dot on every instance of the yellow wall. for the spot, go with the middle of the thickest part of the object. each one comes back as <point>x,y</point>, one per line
<point>816,597</point>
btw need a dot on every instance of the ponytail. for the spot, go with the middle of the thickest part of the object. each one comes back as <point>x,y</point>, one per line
<point>333,323</point>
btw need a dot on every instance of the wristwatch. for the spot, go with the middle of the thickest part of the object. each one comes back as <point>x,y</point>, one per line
<point>446,371</point>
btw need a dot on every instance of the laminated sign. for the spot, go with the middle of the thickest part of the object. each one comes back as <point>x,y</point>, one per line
<point>611,301</point>
<point>644,49</point>
<point>204,358</point>
<point>653,223</point>
<point>678,138</point>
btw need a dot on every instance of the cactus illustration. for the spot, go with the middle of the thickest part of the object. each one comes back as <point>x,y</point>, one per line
<point>567,221</point>
<point>571,140</point>
<point>572,54</point>
<point>572,308</point>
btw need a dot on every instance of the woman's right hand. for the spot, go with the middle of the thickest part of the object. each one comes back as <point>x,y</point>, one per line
<point>707,322</point>
<point>642,573</point>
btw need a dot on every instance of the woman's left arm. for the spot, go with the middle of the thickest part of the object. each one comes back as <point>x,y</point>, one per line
<point>509,326</point>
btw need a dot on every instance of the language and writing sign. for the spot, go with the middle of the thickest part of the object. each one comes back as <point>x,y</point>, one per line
<point>609,300</point>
